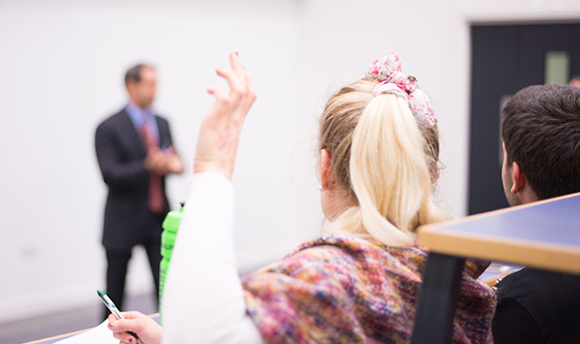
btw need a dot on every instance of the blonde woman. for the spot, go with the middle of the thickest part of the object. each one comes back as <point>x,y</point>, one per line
<point>357,283</point>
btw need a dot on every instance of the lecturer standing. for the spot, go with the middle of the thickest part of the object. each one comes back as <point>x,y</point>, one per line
<point>135,153</point>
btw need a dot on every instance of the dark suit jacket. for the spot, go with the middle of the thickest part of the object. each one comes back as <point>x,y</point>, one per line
<point>121,152</point>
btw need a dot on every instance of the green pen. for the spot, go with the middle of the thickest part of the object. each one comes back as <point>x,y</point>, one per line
<point>113,308</point>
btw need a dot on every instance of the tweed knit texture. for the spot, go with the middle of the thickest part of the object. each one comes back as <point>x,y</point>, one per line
<point>344,289</point>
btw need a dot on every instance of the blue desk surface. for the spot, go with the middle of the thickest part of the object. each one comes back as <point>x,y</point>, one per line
<point>543,234</point>
<point>556,222</point>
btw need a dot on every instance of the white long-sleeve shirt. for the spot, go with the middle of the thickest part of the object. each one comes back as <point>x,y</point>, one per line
<point>203,300</point>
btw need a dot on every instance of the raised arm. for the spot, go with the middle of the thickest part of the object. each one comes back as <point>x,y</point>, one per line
<point>203,300</point>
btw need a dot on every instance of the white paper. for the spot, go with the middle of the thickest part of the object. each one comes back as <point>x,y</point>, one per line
<point>98,335</point>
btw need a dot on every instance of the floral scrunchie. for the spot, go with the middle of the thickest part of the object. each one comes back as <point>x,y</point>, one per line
<point>392,80</point>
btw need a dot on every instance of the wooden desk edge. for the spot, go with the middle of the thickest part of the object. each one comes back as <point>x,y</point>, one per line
<point>70,334</point>
<point>60,336</point>
<point>553,257</point>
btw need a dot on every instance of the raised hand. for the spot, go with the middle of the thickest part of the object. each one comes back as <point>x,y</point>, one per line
<point>220,130</point>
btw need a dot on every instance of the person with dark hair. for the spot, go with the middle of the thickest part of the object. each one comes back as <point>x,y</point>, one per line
<point>541,145</point>
<point>135,153</point>
<point>134,73</point>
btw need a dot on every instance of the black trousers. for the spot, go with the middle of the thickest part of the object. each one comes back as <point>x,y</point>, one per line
<point>118,260</point>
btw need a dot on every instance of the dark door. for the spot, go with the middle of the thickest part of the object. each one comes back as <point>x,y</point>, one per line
<point>506,59</point>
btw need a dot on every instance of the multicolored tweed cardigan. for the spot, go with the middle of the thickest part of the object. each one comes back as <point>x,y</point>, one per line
<point>344,289</point>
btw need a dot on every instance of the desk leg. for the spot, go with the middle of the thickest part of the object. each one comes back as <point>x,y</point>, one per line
<point>437,299</point>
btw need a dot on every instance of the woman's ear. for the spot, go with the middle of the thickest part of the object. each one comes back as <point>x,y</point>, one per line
<point>326,175</point>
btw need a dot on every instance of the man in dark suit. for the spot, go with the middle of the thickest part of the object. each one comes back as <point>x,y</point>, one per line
<point>135,152</point>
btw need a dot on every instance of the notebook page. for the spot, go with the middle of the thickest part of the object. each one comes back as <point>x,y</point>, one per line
<point>98,335</point>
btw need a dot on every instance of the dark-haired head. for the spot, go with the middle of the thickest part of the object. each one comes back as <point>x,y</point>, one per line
<point>541,132</point>
<point>141,81</point>
<point>134,73</point>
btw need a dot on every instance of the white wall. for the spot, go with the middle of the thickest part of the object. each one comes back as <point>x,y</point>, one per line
<point>61,68</point>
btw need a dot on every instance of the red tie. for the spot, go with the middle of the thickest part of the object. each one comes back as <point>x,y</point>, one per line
<point>156,201</point>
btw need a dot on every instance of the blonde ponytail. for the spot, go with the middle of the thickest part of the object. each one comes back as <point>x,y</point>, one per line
<point>389,164</point>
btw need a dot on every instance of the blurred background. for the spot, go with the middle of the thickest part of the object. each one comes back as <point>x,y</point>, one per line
<point>61,73</point>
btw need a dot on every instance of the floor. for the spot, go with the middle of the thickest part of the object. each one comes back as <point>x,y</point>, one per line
<point>54,324</point>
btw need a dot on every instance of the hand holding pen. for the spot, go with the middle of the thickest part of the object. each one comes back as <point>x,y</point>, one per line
<point>133,327</point>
